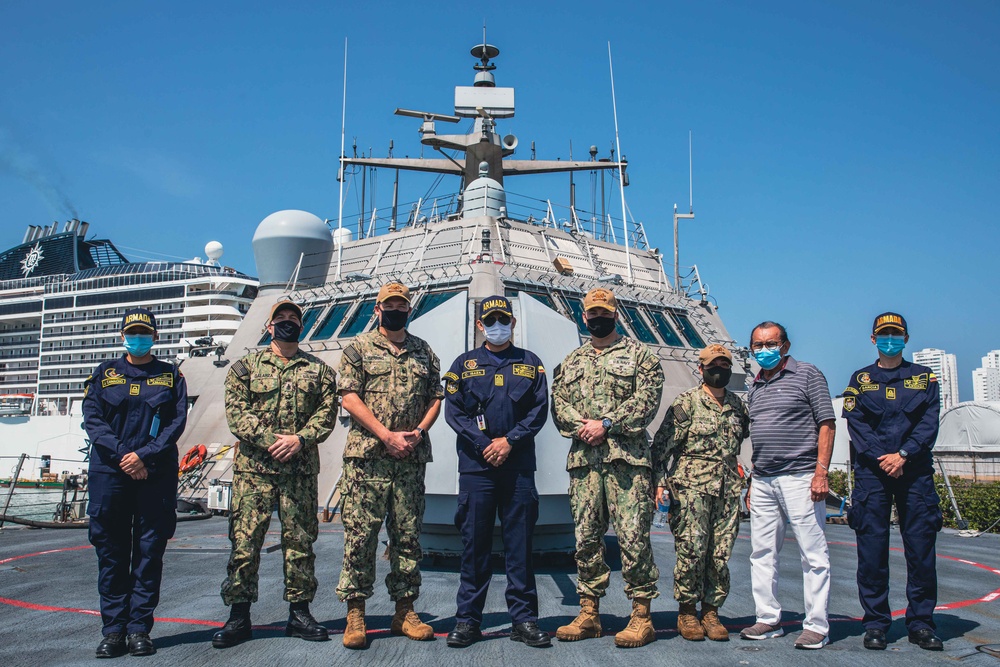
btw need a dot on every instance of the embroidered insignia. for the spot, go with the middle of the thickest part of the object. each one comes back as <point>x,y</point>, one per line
<point>352,354</point>
<point>541,369</point>
<point>450,376</point>
<point>133,389</point>
<point>851,390</point>
<point>497,380</point>
<point>869,387</point>
<point>890,393</point>
<point>111,378</point>
<point>849,403</point>
<point>470,364</point>
<point>451,387</point>
<point>240,370</point>
<point>525,371</point>
<point>474,373</point>
<point>932,378</point>
<point>164,380</point>
<point>916,382</point>
<point>864,378</point>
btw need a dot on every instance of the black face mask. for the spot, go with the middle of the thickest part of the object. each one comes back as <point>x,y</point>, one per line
<point>717,377</point>
<point>600,327</point>
<point>394,320</point>
<point>287,331</point>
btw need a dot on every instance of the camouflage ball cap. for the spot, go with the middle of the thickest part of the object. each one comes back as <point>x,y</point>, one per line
<point>138,317</point>
<point>390,290</point>
<point>600,298</point>
<point>713,352</point>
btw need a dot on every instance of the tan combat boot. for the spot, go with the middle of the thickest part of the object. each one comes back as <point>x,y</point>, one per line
<point>406,622</point>
<point>687,623</point>
<point>586,625</point>
<point>355,634</point>
<point>639,630</point>
<point>714,628</point>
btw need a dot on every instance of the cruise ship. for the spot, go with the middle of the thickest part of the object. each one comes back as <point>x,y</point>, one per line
<point>62,297</point>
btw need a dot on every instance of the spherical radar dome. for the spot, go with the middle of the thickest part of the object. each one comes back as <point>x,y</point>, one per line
<point>282,238</point>
<point>213,250</point>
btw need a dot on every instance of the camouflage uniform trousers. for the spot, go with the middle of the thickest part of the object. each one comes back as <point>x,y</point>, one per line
<point>704,528</point>
<point>254,496</point>
<point>373,489</point>
<point>622,493</point>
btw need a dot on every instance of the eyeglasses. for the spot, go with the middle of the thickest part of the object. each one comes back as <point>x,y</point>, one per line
<point>769,345</point>
<point>490,320</point>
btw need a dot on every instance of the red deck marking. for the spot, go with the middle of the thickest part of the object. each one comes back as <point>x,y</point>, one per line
<point>989,597</point>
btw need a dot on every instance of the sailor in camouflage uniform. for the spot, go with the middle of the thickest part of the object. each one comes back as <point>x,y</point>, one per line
<point>390,382</point>
<point>702,431</point>
<point>280,403</point>
<point>604,395</point>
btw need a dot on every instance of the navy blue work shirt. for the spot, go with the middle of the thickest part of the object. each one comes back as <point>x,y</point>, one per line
<point>141,409</point>
<point>888,410</point>
<point>494,395</point>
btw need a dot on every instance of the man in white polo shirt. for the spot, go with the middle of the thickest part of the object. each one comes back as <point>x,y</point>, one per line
<point>791,426</point>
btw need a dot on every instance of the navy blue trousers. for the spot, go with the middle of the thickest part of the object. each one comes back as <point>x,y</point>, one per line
<point>130,524</point>
<point>481,496</point>
<point>918,507</point>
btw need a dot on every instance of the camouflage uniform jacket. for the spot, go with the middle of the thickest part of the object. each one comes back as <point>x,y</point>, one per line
<point>704,439</point>
<point>623,383</point>
<point>265,396</point>
<point>397,388</point>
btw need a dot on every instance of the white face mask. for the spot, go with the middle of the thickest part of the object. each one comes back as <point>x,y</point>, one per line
<point>498,334</point>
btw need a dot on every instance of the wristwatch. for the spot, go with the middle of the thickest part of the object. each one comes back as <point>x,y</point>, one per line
<point>422,432</point>
<point>903,454</point>
<point>607,424</point>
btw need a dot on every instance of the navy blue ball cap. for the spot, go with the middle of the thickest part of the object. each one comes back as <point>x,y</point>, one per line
<point>888,321</point>
<point>494,304</point>
<point>138,317</point>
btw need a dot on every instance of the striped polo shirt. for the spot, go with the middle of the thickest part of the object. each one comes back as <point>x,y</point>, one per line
<point>785,414</point>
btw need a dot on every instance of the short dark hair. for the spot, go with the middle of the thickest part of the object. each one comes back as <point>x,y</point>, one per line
<point>768,324</point>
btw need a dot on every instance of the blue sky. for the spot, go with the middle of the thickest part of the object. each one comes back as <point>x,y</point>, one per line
<point>847,155</point>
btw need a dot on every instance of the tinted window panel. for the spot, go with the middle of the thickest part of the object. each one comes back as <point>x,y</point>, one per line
<point>688,330</point>
<point>331,321</point>
<point>360,320</point>
<point>639,326</point>
<point>670,337</point>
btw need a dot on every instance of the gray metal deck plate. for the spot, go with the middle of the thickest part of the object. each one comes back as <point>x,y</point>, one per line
<point>48,598</point>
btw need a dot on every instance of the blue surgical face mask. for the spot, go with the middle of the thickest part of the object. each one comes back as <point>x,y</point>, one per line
<point>768,359</point>
<point>497,333</point>
<point>138,345</point>
<point>890,345</point>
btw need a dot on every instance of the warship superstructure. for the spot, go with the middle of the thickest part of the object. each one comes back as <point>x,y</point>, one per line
<point>486,239</point>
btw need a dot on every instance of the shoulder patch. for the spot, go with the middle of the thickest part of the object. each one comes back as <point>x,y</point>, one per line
<point>851,390</point>
<point>850,402</point>
<point>450,376</point>
<point>680,415</point>
<point>352,354</point>
<point>240,370</point>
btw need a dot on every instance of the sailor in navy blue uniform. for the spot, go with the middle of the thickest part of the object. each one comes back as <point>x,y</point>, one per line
<point>891,408</point>
<point>135,409</point>
<point>497,400</point>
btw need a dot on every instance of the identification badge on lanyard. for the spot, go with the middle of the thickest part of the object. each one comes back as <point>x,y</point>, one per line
<point>481,422</point>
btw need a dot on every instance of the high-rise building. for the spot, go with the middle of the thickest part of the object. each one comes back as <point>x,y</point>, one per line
<point>945,367</point>
<point>986,380</point>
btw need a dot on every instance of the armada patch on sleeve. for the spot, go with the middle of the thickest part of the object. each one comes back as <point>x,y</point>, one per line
<point>450,376</point>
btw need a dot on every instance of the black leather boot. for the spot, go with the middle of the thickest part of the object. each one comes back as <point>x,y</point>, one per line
<point>237,629</point>
<point>139,643</point>
<point>302,624</point>
<point>530,634</point>
<point>112,646</point>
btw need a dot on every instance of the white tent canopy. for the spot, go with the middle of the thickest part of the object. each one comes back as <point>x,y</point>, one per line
<point>970,428</point>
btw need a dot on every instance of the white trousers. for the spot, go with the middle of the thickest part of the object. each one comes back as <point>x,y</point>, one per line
<point>773,502</point>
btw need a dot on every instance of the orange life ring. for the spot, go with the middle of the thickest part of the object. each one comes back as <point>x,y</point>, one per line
<point>194,458</point>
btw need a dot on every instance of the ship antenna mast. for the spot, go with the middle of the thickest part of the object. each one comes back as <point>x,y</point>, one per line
<point>621,176</point>
<point>690,171</point>
<point>341,176</point>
